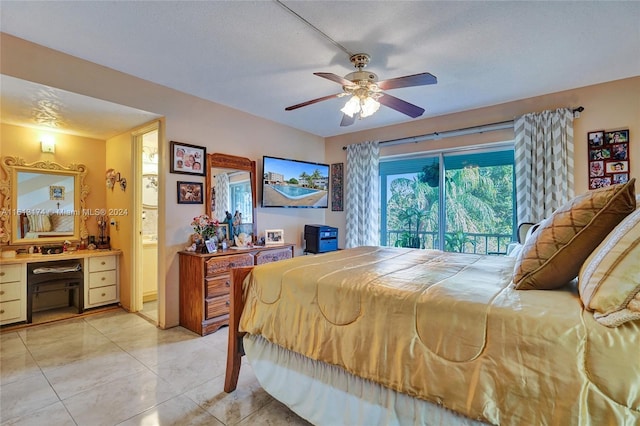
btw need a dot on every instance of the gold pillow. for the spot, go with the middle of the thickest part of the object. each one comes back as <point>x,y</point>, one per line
<point>555,252</point>
<point>609,281</point>
<point>39,223</point>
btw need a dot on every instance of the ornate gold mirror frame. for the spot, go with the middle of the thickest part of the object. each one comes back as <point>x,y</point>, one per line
<point>11,216</point>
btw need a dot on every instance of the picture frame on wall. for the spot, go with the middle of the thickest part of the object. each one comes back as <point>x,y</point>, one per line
<point>274,237</point>
<point>608,158</point>
<point>56,193</point>
<point>187,159</point>
<point>190,192</point>
<point>337,187</point>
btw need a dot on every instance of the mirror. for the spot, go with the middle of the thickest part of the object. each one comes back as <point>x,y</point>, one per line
<point>43,202</point>
<point>231,194</point>
<point>150,191</point>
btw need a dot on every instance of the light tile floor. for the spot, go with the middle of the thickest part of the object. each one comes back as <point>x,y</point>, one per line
<point>116,368</point>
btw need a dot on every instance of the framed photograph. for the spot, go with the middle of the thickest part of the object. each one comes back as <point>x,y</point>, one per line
<point>596,138</point>
<point>56,192</point>
<point>618,136</point>
<point>223,232</point>
<point>211,246</point>
<point>617,166</point>
<point>337,190</point>
<point>274,237</point>
<point>189,192</point>
<point>187,159</point>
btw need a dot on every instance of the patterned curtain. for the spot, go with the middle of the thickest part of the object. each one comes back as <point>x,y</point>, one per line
<point>221,196</point>
<point>543,163</point>
<point>362,195</point>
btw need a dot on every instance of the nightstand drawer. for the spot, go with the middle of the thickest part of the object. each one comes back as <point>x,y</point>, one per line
<point>10,310</point>
<point>9,273</point>
<point>217,265</point>
<point>102,294</point>
<point>102,263</point>
<point>11,291</point>
<point>101,279</point>
<point>218,286</point>
<point>217,306</point>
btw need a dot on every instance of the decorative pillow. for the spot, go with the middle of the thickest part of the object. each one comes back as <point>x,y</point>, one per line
<point>609,281</point>
<point>39,223</point>
<point>554,253</point>
<point>62,222</point>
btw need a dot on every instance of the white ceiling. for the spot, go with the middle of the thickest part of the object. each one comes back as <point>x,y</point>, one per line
<point>257,57</point>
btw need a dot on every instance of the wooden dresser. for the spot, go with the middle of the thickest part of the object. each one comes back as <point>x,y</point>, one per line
<point>205,280</point>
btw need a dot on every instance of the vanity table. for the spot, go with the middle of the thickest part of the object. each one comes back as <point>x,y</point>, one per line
<point>100,283</point>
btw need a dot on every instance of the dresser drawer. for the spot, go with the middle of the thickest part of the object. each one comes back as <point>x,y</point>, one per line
<point>274,255</point>
<point>10,310</point>
<point>102,263</point>
<point>217,265</point>
<point>217,306</point>
<point>9,273</point>
<point>101,279</point>
<point>102,294</point>
<point>11,291</point>
<point>218,286</point>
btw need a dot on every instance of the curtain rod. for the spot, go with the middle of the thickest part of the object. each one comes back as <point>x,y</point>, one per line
<point>502,125</point>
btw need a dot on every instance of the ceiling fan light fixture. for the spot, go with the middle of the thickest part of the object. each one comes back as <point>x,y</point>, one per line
<point>368,107</point>
<point>352,106</point>
<point>364,106</point>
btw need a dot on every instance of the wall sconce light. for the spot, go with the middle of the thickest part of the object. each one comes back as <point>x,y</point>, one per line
<point>48,144</point>
<point>114,177</point>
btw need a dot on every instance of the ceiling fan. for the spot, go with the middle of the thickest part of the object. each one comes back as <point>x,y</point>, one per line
<point>367,93</point>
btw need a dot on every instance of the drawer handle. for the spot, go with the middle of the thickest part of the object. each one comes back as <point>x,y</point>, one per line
<point>103,263</point>
<point>1,274</point>
<point>103,278</point>
<point>2,311</point>
<point>104,294</point>
<point>228,303</point>
<point>228,284</point>
<point>231,264</point>
<point>2,291</point>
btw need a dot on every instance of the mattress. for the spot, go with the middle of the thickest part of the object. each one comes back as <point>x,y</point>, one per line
<point>449,328</point>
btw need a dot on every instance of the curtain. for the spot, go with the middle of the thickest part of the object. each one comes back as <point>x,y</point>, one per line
<point>543,163</point>
<point>362,195</point>
<point>221,196</point>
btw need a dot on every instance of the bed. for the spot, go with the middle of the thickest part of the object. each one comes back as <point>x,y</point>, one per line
<point>46,225</point>
<point>378,335</point>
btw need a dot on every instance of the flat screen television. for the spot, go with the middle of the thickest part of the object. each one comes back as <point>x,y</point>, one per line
<point>294,183</point>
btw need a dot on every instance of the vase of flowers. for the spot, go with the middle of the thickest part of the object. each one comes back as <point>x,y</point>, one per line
<point>205,229</point>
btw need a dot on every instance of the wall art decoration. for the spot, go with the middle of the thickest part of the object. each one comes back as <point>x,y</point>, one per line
<point>190,192</point>
<point>608,157</point>
<point>187,159</point>
<point>337,187</point>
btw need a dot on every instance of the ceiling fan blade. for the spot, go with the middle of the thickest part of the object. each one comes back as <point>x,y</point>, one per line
<point>348,121</point>
<point>407,81</point>
<point>334,77</point>
<point>313,101</point>
<point>404,107</point>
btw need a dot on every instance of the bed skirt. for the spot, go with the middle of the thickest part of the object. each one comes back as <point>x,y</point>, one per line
<point>324,394</point>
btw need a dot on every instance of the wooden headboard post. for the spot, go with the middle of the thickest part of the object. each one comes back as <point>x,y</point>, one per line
<point>235,351</point>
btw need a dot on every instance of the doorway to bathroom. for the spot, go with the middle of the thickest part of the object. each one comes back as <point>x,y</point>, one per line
<point>146,282</point>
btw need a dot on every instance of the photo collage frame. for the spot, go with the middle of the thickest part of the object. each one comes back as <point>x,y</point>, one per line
<point>608,158</point>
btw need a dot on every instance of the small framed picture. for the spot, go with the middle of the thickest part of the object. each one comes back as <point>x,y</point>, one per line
<point>617,166</point>
<point>618,136</point>
<point>620,178</point>
<point>211,246</point>
<point>187,159</point>
<point>596,169</point>
<point>274,237</point>
<point>596,138</point>
<point>56,192</point>
<point>190,192</point>
<point>223,232</point>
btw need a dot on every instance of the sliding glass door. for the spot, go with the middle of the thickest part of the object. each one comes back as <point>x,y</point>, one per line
<point>459,201</point>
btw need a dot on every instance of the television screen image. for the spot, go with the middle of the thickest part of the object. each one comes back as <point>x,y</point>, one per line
<point>294,183</point>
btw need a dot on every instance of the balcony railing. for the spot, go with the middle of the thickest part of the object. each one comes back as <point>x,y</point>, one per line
<point>482,243</point>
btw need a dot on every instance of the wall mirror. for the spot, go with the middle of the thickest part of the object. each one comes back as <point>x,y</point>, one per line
<point>231,190</point>
<point>43,202</point>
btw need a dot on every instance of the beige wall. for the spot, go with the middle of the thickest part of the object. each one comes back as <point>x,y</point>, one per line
<point>608,106</point>
<point>187,119</point>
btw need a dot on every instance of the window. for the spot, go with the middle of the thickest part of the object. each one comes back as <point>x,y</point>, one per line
<point>471,209</point>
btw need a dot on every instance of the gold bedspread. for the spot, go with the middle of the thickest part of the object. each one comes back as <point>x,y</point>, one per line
<point>450,328</point>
